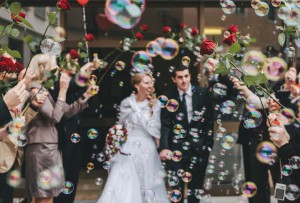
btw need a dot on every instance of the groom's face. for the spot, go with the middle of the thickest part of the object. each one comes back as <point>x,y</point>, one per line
<point>182,79</point>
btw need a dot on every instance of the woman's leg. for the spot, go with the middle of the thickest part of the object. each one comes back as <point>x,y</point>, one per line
<point>44,200</point>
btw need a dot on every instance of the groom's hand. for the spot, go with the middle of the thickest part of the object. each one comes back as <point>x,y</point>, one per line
<point>165,154</point>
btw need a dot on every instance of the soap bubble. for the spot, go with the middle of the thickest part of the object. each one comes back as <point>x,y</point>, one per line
<point>266,152</point>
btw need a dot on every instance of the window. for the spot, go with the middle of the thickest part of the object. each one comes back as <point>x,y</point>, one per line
<point>40,12</point>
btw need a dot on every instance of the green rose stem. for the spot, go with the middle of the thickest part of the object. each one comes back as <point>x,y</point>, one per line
<point>264,109</point>
<point>49,24</point>
<point>4,2</point>
<point>263,89</point>
<point>4,75</point>
<point>110,53</point>
<point>4,32</point>
<point>114,61</point>
<point>28,104</point>
<point>133,34</point>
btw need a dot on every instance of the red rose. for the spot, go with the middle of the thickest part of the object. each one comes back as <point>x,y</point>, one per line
<point>194,31</point>
<point>74,54</point>
<point>6,64</point>
<point>19,67</point>
<point>230,39</point>
<point>15,18</point>
<point>207,47</point>
<point>233,29</point>
<point>182,25</point>
<point>144,27</point>
<point>139,36</point>
<point>63,5</point>
<point>166,29</point>
<point>89,37</point>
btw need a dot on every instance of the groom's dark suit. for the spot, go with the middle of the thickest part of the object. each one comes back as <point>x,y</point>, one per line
<point>199,134</point>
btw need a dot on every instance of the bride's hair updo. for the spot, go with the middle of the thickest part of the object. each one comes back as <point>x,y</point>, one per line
<point>136,79</point>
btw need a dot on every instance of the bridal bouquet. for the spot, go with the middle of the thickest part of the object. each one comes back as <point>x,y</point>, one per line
<point>116,137</point>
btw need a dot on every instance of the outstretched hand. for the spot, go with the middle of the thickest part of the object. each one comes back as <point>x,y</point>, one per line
<point>16,95</point>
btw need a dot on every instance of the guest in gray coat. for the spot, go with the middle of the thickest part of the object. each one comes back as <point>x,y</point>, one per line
<point>43,161</point>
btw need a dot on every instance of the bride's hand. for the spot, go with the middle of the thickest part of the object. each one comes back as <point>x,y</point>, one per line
<point>157,142</point>
<point>165,154</point>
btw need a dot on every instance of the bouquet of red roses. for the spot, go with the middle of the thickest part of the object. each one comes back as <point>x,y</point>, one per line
<point>116,137</point>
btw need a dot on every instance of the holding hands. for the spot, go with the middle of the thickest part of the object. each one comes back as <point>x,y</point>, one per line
<point>165,154</point>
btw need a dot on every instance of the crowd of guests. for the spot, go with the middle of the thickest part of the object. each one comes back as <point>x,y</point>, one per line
<point>48,117</point>
<point>38,111</point>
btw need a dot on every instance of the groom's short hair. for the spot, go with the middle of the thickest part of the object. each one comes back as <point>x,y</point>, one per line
<point>180,67</point>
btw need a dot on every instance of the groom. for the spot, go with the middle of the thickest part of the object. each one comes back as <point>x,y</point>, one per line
<point>187,130</point>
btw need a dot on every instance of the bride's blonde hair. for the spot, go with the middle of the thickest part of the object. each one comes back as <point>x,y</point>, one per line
<point>136,79</point>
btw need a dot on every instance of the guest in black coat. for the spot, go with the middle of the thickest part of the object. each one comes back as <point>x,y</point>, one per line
<point>288,144</point>
<point>188,130</point>
<point>250,138</point>
<point>71,152</point>
<point>287,138</point>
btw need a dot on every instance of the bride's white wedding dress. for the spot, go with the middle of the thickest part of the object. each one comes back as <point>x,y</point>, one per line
<point>138,176</point>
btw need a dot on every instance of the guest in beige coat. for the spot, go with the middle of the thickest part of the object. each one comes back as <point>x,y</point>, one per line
<point>11,154</point>
<point>43,161</point>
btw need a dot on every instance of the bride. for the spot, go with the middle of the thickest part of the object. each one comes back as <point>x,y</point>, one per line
<point>136,174</point>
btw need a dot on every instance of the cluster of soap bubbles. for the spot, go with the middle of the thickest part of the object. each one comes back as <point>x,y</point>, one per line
<point>261,8</point>
<point>171,105</point>
<point>166,48</point>
<point>50,178</point>
<point>125,14</point>
<point>17,133</point>
<point>290,14</point>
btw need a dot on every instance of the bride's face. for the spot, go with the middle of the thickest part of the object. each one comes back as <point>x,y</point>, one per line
<point>145,87</point>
